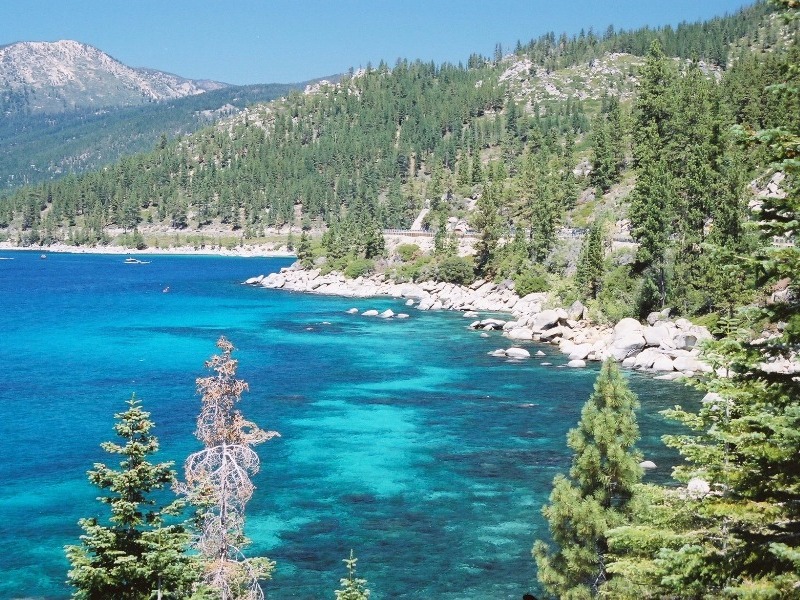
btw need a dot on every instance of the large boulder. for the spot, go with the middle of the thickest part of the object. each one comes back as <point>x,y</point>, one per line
<point>626,345</point>
<point>517,353</point>
<point>545,320</point>
<point>576,364</point>
<point>580,352</point>
<point>370,313</point>
<point>575,311</point>
<point>551,333</point>
<point>519,333</point>
<point>663,363</point>
<point>645,358</point>
<point>627,327</point>
<point>387,314</point>
<point>654,335</point>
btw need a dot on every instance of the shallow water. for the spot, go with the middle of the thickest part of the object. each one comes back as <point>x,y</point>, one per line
<point>400,439</point>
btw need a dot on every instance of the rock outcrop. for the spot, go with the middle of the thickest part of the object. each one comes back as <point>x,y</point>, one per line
<point>661,345</point>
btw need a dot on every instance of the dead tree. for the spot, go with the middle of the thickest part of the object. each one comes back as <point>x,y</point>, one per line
<point>218,481</point>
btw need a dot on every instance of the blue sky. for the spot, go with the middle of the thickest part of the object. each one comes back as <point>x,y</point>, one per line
<point>266,41</point>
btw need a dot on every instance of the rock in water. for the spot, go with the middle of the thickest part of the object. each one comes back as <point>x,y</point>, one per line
<point>517,353</point>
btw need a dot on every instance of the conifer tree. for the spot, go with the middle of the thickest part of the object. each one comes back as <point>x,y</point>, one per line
<point>486,222</point>
<point>138,555</point>
<point>590,270</point>
<point>218,482</point>
<point>741,458</point>
<point>595,496</point>
<point>353,588</point>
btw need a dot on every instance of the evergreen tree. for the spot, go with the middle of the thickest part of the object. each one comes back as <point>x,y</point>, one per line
<point>595,496</point>
<point>652,215</point>
<point>486,222</point>
<point>654,104</point>
<point>353,588</point>
<point>138,555</point>
<point>590,263</point>
<point>608,147</point>
<point>304,254</point>
<point>741,467</point>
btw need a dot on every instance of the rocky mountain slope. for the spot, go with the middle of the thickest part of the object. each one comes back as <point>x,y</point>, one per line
<point>53,77</point>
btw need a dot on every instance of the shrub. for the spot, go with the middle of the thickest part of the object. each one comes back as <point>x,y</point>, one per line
<point>531,281</point>
<point>407,252</point>
<point>456,269</point>
<point>357,267</point>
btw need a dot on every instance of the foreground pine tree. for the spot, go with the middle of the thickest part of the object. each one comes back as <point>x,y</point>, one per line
<point>218,483</point>
<point>595,496</point>
<point>734,530</point>
<point>137,555</point>
<point>353,588</point>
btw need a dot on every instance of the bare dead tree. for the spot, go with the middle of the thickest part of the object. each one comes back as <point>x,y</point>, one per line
<point>218,481</point>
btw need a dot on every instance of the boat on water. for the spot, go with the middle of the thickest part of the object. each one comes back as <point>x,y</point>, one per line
<point>135,261</point>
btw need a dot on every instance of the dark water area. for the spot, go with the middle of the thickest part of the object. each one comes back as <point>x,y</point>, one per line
<point>400,439</point>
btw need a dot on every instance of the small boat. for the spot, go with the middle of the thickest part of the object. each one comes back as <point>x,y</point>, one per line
<point>43,256</point>
<point>135,261</point>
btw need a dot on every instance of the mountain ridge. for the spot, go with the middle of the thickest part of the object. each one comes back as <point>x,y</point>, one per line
<point>53,77</point>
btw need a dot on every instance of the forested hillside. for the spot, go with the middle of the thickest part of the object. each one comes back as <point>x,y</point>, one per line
<point>609,133</point>
<point>43,147</point>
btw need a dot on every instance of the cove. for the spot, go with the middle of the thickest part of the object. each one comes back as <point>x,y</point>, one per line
<point>402,440</point>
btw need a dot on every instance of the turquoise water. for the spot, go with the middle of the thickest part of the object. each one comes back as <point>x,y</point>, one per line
<point>401,439</point>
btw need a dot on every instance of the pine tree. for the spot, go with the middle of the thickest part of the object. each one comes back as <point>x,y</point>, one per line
<point>353,588</point>
<point>590,269</point>
<point>652,215</point>
<point>741,458</point>
<point>486,222</point>
<point>595,496</point>
<point>218,482</point>
<point>304,253</point>
<point>138,554</point>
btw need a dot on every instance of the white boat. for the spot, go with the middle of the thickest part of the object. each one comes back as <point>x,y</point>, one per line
<point>135,261</point>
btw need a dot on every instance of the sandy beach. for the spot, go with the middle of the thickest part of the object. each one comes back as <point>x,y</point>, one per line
<point>255,250</point>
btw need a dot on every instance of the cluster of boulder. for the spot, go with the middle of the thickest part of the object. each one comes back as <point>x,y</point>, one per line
<point>661,345</point>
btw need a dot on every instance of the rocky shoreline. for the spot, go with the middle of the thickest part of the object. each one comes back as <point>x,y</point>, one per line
<point>662,346</point>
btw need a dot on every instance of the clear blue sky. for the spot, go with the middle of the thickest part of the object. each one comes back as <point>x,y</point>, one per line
<point>267,41</point>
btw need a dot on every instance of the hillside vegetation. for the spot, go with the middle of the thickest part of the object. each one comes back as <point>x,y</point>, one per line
<point>608,133</point>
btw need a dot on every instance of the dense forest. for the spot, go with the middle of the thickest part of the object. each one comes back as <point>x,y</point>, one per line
<point>697,168</point>
<point>35,148</point>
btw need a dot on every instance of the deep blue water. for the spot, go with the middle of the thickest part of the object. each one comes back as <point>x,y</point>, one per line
<point>401,439</point>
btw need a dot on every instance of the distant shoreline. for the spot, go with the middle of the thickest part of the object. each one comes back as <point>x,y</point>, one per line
<point>262,251</point>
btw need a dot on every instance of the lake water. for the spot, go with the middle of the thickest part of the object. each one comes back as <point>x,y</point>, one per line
<point>401,439</point>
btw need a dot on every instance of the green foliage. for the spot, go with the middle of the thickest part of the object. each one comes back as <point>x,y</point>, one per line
<point>734,531</point>
<point>531,281</point>
<point>455,269</point>
<point>420,269</point>
<point>589,275</point>
<point>353,588</point>
<point>305,253</point>
<point>486,222</point>
<point>596,496</point>
<point>608,146</point>
<point>138,554</point>
<point>407,252</point>
<point>358,267</point>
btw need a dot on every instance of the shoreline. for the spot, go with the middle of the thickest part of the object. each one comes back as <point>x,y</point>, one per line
<point>259,251</point>
<point>666,348</point>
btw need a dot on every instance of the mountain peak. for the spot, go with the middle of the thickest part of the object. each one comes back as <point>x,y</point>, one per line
<point>51,77</point>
